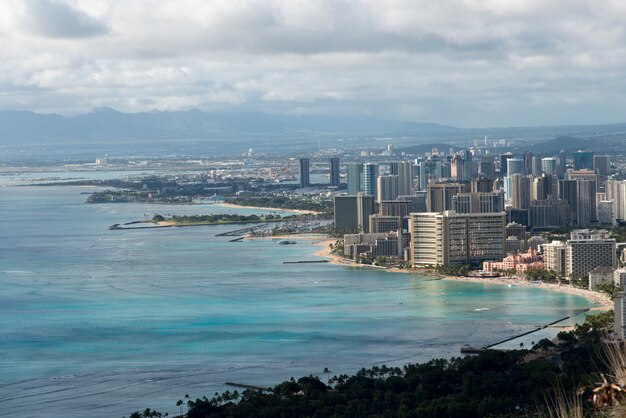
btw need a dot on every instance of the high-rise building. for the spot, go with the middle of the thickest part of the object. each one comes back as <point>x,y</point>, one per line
<point>555,257</point>
<point>370,175</point>
<point>562,164</point>
<point>482,184</point>
<point>616,191</point>
<point>488,167</point>
<point>404,171</point>
<point>449,238</point>
<point>601,164</point>
<point>606,215</point>
<point>514,166</point>
<point>586,189</point>
<point>549,214</point>
<point>503,163</point>
<point>387,188</point>
<point>440,194</point>
<point>334,172</point>
<point>548,166</point>
<point>355,178</point>
<point>619,316</point>
<point>468,166</point>
<point>536,167</point>
<point>304,173</point>
<point>352,212</point>
<point>528,162</point>
<point>568,193</point>
<point>456,167</point>
<point>380,223</point>
<point>583,160</point>
<point>400,207</point>
<point>481,202</point>
<point>584,255</point>
<point>520,191</point>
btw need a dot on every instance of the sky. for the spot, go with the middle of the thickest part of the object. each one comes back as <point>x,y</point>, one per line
<point>468,63</point>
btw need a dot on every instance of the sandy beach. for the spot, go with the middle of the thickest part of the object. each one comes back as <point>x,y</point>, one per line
<point>601,299</point>
<point>300,211</point>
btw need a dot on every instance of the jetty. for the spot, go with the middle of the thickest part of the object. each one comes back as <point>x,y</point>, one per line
<point>305,262</point>
<point>468,349</point>
<point>245,386</point>
<point>242,231</point>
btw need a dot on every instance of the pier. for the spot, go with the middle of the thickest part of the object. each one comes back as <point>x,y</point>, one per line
<point>241,232</point>
<point>468,349</point>
<point>305,262</point>
<point>245,386</point>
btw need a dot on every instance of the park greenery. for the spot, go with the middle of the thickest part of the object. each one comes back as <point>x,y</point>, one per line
<point>493,383</point>
<point>222,218</point>
<point>322,206</point>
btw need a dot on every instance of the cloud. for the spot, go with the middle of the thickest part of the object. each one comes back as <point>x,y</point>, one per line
<point>465,62</point>
<point>55,19</point>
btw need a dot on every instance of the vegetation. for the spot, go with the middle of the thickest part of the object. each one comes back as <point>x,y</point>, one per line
<point>493,383</point>
<point>454,270</point>
<point>323,206</point>
<point>543,275</point>
<point>223,218</point>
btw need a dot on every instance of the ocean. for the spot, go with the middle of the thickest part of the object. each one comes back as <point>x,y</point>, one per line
<point>101,323</point>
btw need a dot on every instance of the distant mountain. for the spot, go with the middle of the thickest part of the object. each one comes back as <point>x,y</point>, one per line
<point>108,124</point>
<point>570,145</point>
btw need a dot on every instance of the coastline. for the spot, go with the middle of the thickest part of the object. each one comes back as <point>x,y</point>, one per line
<point>601,299</point>
<point>299,211</point>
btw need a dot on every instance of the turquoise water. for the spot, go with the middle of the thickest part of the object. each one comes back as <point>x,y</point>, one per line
<point>108,322</point>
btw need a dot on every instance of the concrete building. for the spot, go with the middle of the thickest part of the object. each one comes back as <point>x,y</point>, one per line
<point>549,214</point>
<point>515,166</point>
<point>583,160</point>
<point>536,168</point>
<point>369,181</point>
<point>519,191</point>
<point>417,200</point>
<point>439,194</point>
<point>478,202</point>
<point>606,214</point>
<point>619,277</point>
<point>503,163</point>
<point>601,164</point>
<point>400,207</point>
<point>355,178</point>
<point>535,242</point>
<point>584,255</point>
<point>600,276</point>
<point>449,238</point>
<point>305,179</point>
<point>335,178</point>
<point>381,223</point>
<point>555,257</point>
<point>548,166</point>
<point>387,188</point>
<point>352,212</point>
<point>404,171</point>
<point>521,263</point>
<point>562,167</point>
<point>619,316</point>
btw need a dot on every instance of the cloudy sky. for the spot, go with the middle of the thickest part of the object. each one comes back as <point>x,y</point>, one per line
<point>468,63</point>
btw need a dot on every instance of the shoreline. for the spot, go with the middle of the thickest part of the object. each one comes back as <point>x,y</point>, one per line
<point>598,298</point>
<point>235,206</point>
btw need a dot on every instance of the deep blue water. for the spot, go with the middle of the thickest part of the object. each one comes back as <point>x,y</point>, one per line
<point>101,323</point>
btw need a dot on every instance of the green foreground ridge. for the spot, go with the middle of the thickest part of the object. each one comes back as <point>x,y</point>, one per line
<point>580,374</point>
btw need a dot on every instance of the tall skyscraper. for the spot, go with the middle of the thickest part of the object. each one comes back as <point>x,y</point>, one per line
<point>370,174</point>
<point>548,166</point>
<point>352,213</point>
<point>456,167</point>
<point>601,164</point>
<point>520,191</point>
<point>562,164</point>
<point>514,166</point>
<point>528,162</point>
<point>450,238</point>
<point>488,167</point>
<point>404,171</point>
<point>440,194</point>
<point>304,173</point>
<point>536,168</point>
<point>503,163</point>
<point>387,188</point>
<point>468,165</point>
<point>355,178</point>
<point>583,160</point>
<point>334,172</point>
